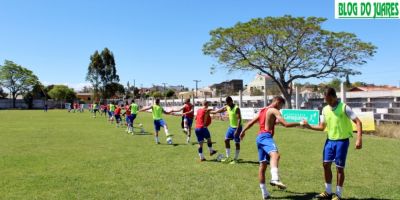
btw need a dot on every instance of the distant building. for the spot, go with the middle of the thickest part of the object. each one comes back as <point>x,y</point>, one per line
<point>227,87</point>
<point>258,83</point>
<point>373,88</point>
<point>86,97</point>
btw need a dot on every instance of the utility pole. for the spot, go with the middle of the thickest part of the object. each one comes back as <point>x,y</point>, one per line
<point>133,89</point>
<point>165,94</point>
<point>197,81</point>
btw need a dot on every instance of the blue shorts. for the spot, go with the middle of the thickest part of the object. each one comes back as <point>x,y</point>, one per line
<point>158,124</point>
<point>265,145</point>
<point>110,114</point>
<point>133,117</point>
<point>129,119</point>
<point>230,134</point>
<point>336,150</point>
<point>202,133</point>
<point>189,121</point>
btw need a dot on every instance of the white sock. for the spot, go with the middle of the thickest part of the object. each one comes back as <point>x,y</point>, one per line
<point>210,149</point>
<point>188,139</point>
<point>328,188</point>
<point>264,190</point>
<point>274,174</point>
<point>237,154</point>
<point>201,155</point>
<point>157,140</point>
<point>339,191</point>
<point>166,131</point>
<point>228,152</point>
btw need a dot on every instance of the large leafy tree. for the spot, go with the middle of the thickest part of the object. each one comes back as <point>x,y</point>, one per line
<point>288,49</point>
<point>114,89</point>
<point>62,93</point>
<point>102,72</point>
<point>17,79</point>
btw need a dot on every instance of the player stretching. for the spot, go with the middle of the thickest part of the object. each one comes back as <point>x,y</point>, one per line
<point>157,112</point>
<point>267,150</point>
<point>235,127</point>
<point>188,115</point>
<point>134,112</point>
<point>203,120</point>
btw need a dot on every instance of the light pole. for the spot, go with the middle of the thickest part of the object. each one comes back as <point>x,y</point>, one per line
<point>197,81</point>
<point>165,94</point>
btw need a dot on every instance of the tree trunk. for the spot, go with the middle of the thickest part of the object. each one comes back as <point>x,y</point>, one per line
<point>14,98</point>
<point>288,98</point>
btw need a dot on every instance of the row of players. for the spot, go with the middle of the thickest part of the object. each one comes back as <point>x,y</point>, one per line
<point>336,119</point>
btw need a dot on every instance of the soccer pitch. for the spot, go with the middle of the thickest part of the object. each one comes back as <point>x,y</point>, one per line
<point>61,155</point>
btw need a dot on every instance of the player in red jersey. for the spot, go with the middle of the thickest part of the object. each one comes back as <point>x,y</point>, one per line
<point>203,120</point>
<point>187,115</point>
<point>267,150</point>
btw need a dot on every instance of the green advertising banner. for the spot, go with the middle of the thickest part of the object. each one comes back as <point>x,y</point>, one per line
<point>312,116</point>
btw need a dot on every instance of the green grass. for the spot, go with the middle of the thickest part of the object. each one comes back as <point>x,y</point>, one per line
<point>60,155</point>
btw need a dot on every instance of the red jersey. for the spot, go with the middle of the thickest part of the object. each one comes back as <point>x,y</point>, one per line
<point>200,118</point>
<point>117,111</point>
<point>262,119</point>
<point>108,106</point>
<point>127,110</point>
<point>187,108</point>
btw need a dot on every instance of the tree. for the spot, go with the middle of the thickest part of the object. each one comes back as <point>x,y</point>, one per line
<point>156,94</point>
<point>3,95</point>
<point>102,72</point>
<point>62,92</point>
<point>169,93</point>
<point>287,49</point>
<point>335,83</point>
<point>37,92</point>
<point>114,89</point>
<point>17,79</point>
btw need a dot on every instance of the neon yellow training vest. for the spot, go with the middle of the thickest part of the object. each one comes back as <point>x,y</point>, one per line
<point>338,124</point>
<point>112,107</point>
<point>233,120</point>
<point>157,112</point>
<point>134,108</point>
<point>94,106</point>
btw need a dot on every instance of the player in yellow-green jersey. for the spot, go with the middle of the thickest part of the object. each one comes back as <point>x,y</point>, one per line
<point>336,120</point>
<point>235,127</point>
<point>157,110</point>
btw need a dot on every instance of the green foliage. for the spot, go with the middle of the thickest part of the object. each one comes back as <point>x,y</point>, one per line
<point>62,92</point>
<point>61,155</point>
<point>2,93</point>
<point>288,48</point>
<point>170,93</point>
<point>17,79</point>
<point>37,92</point>
<point>335,83</point>
<point>359,84</point>
<point>114,89</point>
<point>156,94</point>
<point>102,72</point>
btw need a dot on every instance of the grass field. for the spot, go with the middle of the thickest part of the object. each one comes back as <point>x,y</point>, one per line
<point>60,155</point>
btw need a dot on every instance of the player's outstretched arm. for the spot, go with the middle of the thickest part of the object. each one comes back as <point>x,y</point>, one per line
<point>282,121</point>
<point>248,126</point>
<point>221,110</point>
<point>177,110</point>
<point>320,127</point>
<point>358,123</point>
<point>145,108</point>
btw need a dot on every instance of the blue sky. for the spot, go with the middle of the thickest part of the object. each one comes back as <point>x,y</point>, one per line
<point>161,41</point>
